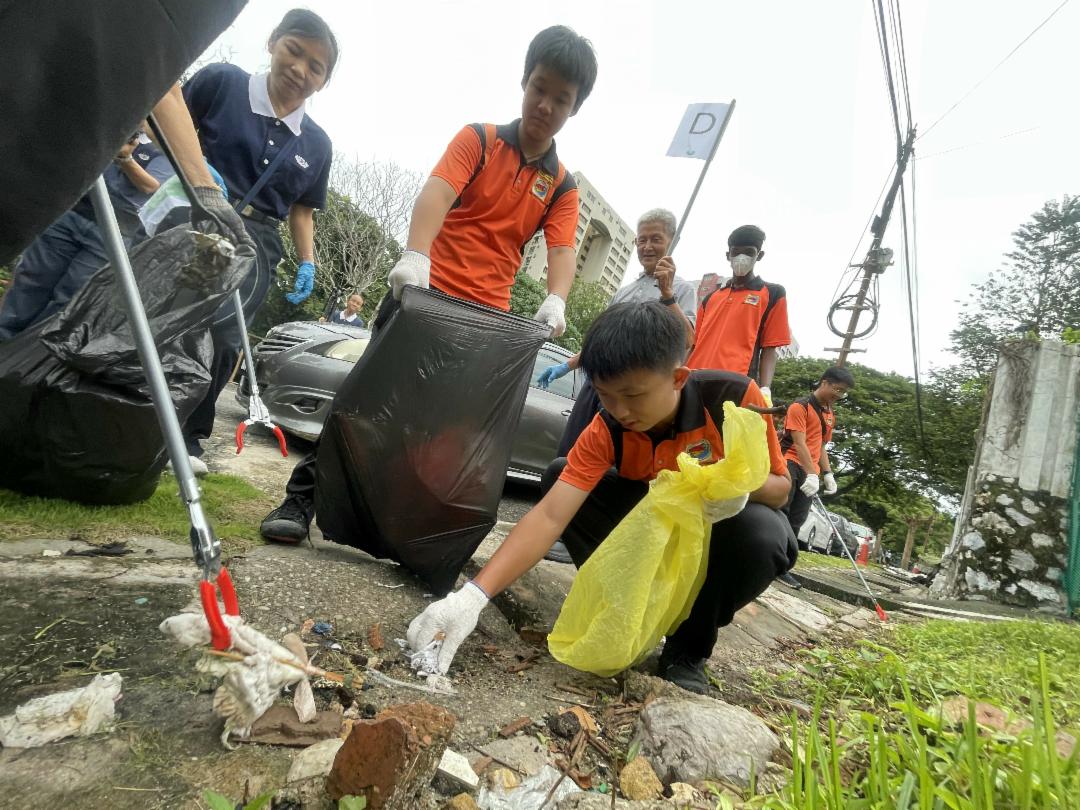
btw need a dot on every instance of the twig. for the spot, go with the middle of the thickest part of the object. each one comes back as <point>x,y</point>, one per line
<point>147,790</point>
<point>576,747</point>
<point>572,702</point>
<point>391,587</point>
<point>50,626</point>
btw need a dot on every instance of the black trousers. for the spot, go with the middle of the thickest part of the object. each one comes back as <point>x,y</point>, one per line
<point>747,553</point>
<point>301,484</point>
<point>226,331</point>
<point>585,408</point>
<point>798,506</point>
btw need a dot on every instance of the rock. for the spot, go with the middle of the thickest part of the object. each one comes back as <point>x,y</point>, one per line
<point>1003,500</point>
<point>1040,540</point>
<point>600,801</point>
<point>1066,744</point>
<point>1044,593</point>
<point>280,726</point>
<point>954,712</point>
<point>315,760</point>
<point>973,541</point>
<point>1029,506</point>
<point>391,760</point>
<point>696,738</point>
<point>1053,575</point>
<point>773,778</point>
<point>74,713</point>
<point>683,795</point>
<point>503,779</point>
<point>524,753</point>
<point>642,688</point>
<point>978,581</point>
<point>1020,560</point>
<point>455,773</point>
<point>638,780</point>
<point>994,522</point>
<point>1019,518</point>
<point>463,801</point>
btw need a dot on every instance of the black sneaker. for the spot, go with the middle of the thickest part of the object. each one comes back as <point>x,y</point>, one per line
<point>288,523</point>
<point>683,670</point>
<point>558,553</point>
<point>790,581</point>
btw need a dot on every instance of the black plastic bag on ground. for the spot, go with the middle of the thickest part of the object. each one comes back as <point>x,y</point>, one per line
<point>413,455</point>
<point>76,417</point>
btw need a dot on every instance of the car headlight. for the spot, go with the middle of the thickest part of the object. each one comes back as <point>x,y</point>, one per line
<point>348,350</point>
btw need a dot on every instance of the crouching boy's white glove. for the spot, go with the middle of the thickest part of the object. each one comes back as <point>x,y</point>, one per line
<point>715,511</point>
<point>452,618</point>
<point>553,313</point>
<point>412,268</point>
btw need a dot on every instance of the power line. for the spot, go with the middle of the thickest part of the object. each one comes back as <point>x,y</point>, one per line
<point>913,321</point>
<point>980,143</point>
<point>883,44</point>
<point>849,270</point>
<point>979,83</point>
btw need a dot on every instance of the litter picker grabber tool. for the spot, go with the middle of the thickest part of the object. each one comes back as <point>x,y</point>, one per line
<point>258,414</point>
<point>825,514</point>
<point>204,544</point>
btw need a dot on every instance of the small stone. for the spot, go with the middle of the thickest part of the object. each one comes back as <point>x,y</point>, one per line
<point>1040,540</point>
<point>994,522</point>
<point>1066,744</point>
<point>1019,518</point>
<point>973,541</point>
<point>51,552</point>
<point>1029,506</point>
<point>1053,575</point>
<point>455,771</point>
<point>524,753</point>
<point>463,801</point>
<point>638,780</point>
<point>1020,560</point>
<point>1003,500</point>
<point>978,581</point>
<point>315,760</point>
<point>682,794</point>
<point>503,779</point>
<point>954,712</point>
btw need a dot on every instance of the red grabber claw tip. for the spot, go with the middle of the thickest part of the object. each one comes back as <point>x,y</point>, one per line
<point>881,612</point>
<point>281,441</point>
<point>240,436</point>
<point>219,633</point>
<point>228,593</point>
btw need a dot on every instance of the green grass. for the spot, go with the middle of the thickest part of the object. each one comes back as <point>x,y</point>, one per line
<point>810,559</point>
<point>877,741</point>
<point>233,506</point>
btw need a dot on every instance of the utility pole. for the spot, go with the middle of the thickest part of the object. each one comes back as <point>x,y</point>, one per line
<point>877,259</point>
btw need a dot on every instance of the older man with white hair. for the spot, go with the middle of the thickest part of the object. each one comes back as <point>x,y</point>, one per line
<point>657,282</point>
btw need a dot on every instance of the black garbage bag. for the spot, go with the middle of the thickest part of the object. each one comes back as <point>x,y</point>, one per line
<point>413,455</point>
<point>76,417</point>
<point>77,79</point>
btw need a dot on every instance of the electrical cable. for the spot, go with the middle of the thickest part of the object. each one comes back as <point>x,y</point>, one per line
<point>993,70</point>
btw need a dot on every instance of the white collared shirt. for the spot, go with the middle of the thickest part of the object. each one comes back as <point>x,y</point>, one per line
<point>259,98</point>
<point>644,288</point>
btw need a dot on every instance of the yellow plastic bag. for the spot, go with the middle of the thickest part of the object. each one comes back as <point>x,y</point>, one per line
<point>641,583</point>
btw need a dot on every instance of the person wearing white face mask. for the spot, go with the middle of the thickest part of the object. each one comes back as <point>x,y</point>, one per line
<point>743,323</point>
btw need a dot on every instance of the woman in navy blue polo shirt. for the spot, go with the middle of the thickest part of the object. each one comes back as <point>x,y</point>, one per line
<point>249,125</point>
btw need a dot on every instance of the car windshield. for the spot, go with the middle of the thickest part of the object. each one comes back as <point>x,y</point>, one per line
<point>564,386</point>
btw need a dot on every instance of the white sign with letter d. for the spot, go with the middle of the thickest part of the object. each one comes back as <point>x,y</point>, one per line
<point>701,125</point>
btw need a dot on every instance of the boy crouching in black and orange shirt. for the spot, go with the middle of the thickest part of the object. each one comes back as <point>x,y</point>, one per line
<point>654,408</point>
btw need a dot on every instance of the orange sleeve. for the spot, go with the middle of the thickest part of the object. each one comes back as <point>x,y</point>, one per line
<point>591,456</point>
<point>560,228</point>
<point>796,417</point>
<point>460,159</point>
<point>753,396</point>
<point>777,332</point>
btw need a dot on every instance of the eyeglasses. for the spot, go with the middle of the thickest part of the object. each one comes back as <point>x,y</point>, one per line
<point>655,239</point>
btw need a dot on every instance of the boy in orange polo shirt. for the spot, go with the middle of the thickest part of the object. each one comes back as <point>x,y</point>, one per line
<point>654,408</point>
<point>808,429</point>
<point>492,190</point>
<point>741,325</point>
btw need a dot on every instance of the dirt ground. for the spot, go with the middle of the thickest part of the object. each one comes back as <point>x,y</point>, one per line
<point>63,619</point>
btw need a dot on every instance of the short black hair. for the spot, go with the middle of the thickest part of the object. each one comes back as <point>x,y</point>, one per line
<point>633,336</point>
<point>745,236</point>
<point>299,22</point>
<point>838,374</point>
<point>568,54</point>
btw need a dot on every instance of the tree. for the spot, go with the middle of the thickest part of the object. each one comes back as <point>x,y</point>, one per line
<point>1034,293</point>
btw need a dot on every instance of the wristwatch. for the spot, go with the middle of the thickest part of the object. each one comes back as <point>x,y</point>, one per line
<point>667,302</point>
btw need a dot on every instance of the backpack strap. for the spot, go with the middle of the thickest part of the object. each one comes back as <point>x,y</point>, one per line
<point>486,134</point>
<point>776,292</point>
<point>787,442</point>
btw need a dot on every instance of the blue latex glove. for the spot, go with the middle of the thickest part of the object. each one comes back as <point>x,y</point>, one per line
<point>552,373</point>
<point>305,283</point>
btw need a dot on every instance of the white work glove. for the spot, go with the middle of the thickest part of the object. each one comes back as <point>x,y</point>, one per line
<point>830,484</point>
<point>552,313</point>
<point>810,485</point>
<point>715,511</point>
<point>766,394</point>
<point>453,617</point>
<point>412,268</point>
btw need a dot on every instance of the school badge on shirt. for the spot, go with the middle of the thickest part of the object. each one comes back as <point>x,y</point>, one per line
<point>701,450</point>
<point>303,164</point>
<point>752,299</point>
<point>542,186</point>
